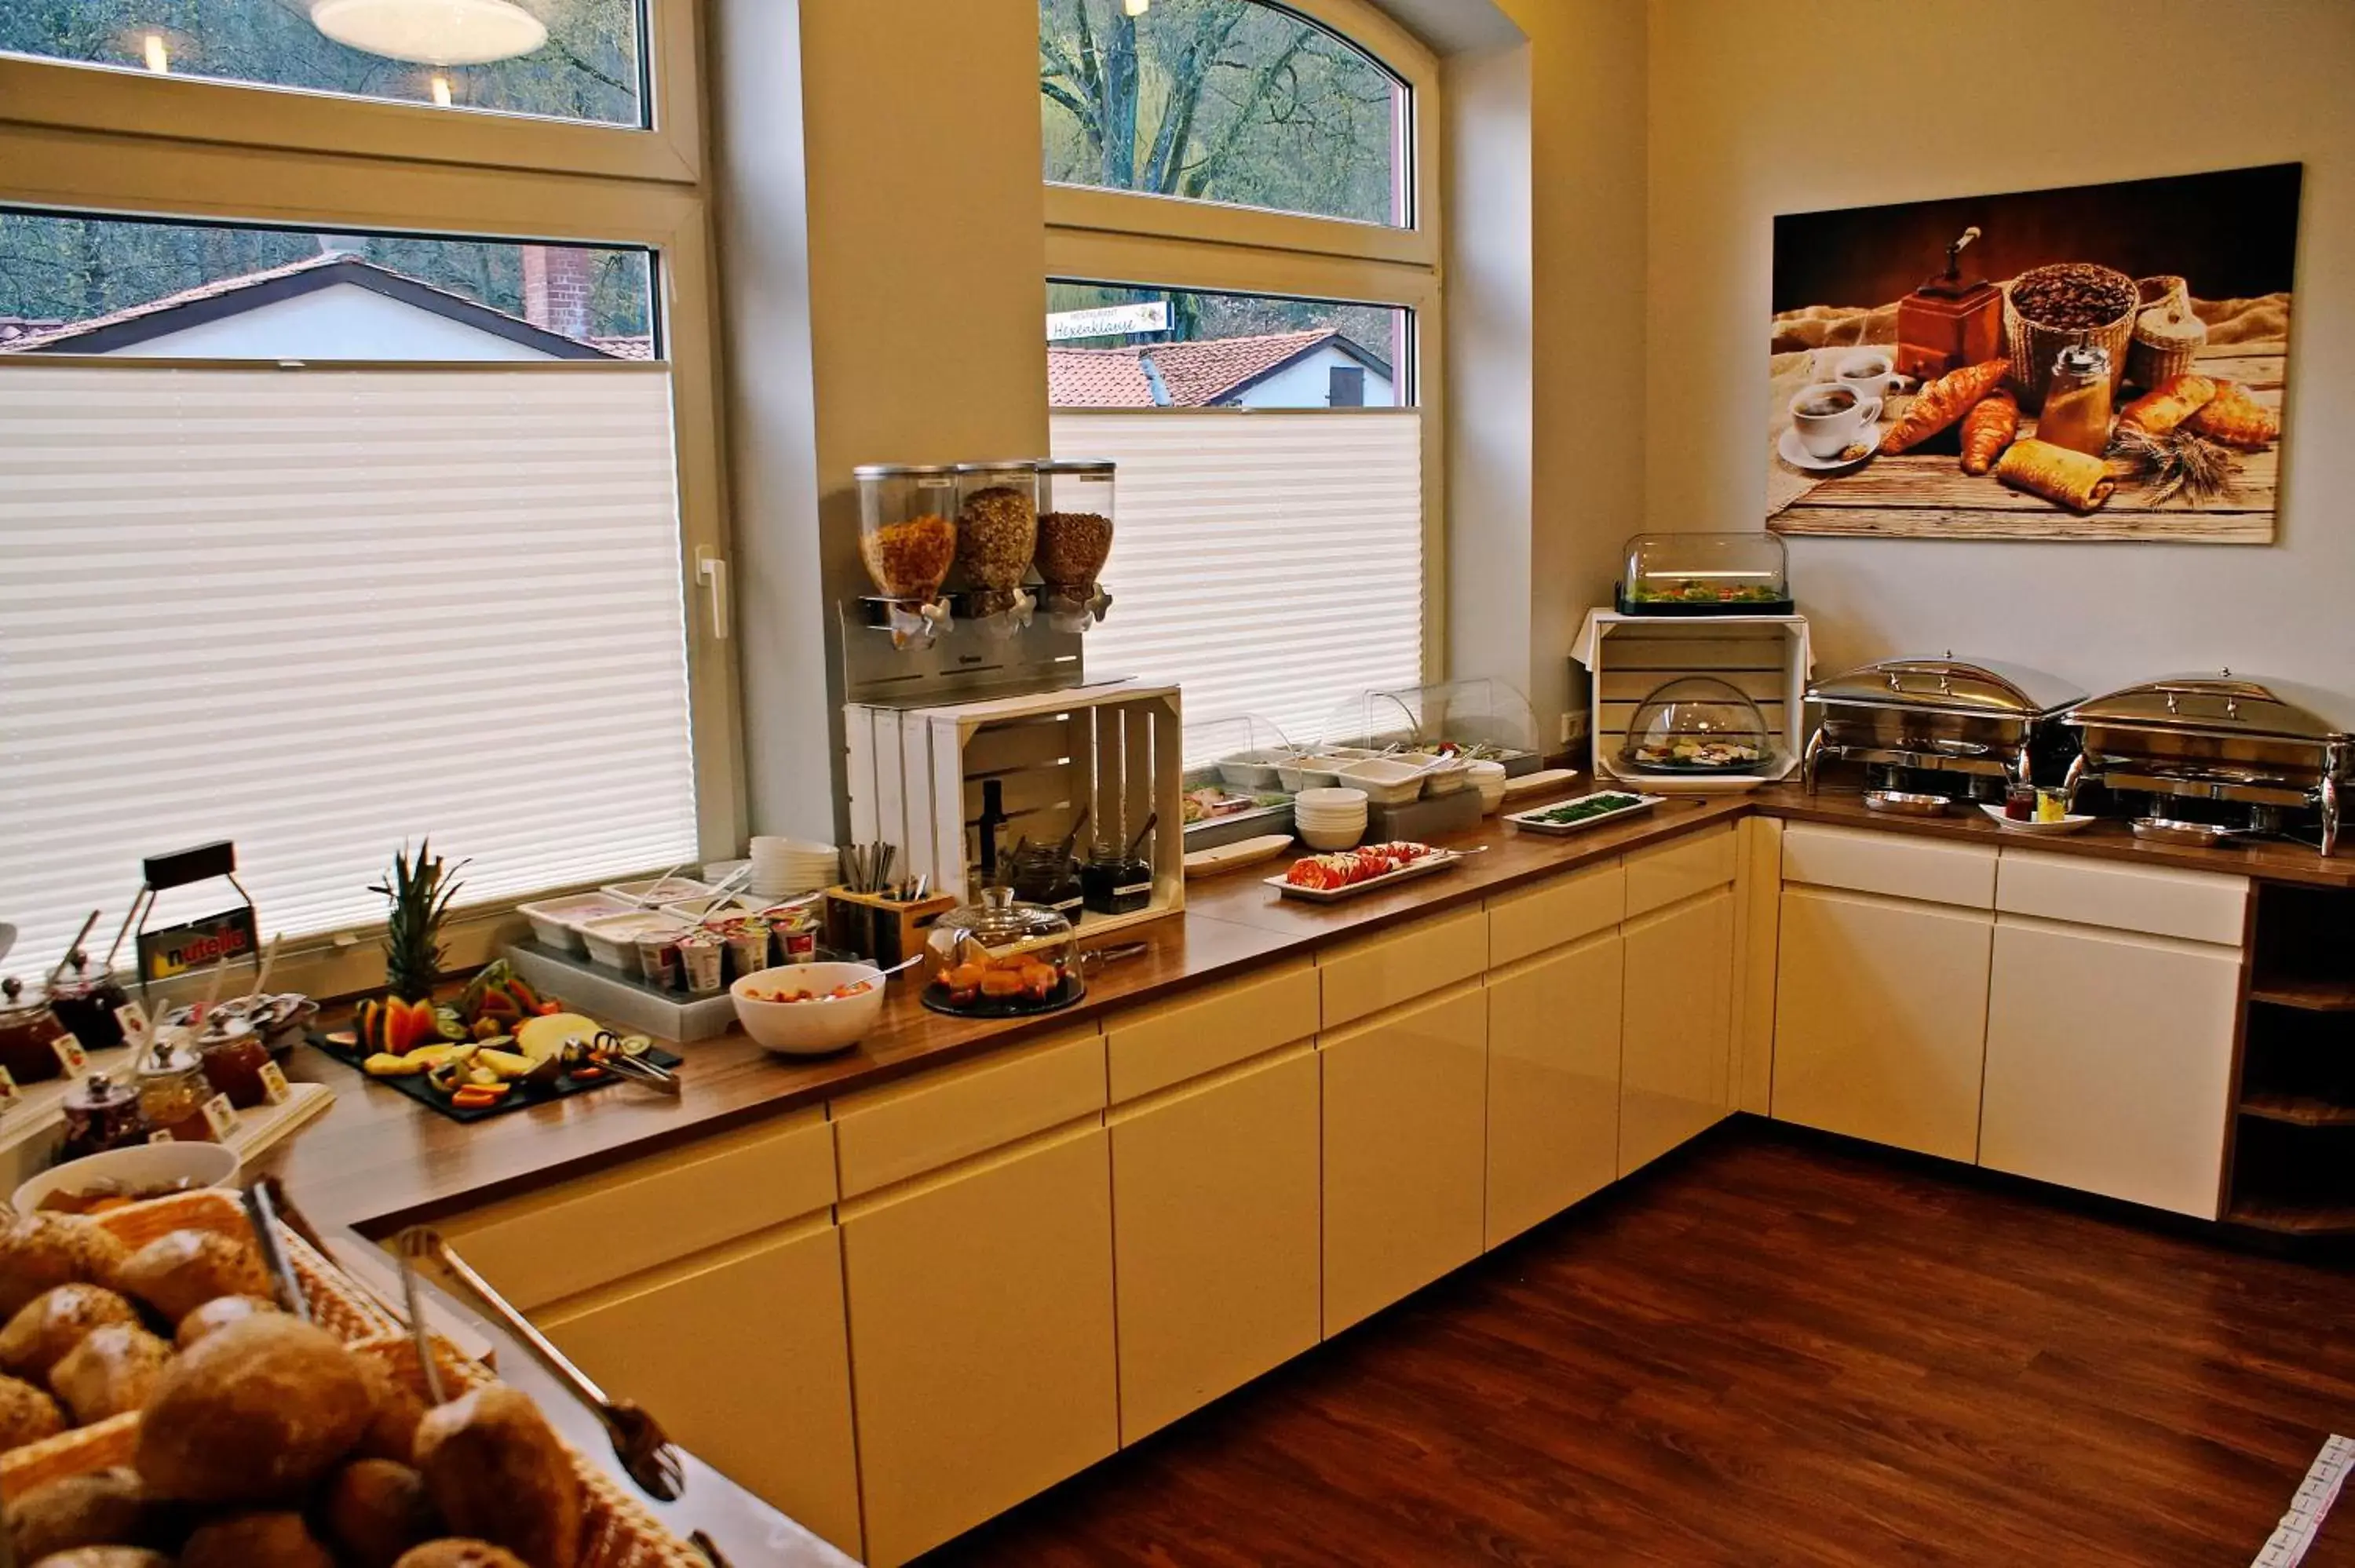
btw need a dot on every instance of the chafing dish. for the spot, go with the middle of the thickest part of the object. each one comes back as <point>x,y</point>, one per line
<point>1937,725</point>
<point>2220,738</point>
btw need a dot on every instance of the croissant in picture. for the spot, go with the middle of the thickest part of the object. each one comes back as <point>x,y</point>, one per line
<point>1942,402</point>
<point>1988,428</point>
<point>2237,420</point>
<point>2173,401</point>
<point>2072,479</point>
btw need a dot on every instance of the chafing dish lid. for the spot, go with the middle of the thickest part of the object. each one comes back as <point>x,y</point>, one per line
<point>2210,702</point>
<point>1946,684</point>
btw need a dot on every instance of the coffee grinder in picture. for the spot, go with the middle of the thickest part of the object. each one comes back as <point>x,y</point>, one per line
<point>1947,323</point>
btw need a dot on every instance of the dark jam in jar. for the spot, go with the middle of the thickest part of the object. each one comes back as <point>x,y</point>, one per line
<point>99,1115</point>
<point>86,1005</point>
<point>29,1031</point>
<point>233,1060</point>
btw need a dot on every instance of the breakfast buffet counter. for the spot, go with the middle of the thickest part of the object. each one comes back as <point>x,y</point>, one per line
<point>378,1160</point>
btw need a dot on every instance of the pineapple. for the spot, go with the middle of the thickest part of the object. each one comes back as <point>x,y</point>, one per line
<point>419,892</point>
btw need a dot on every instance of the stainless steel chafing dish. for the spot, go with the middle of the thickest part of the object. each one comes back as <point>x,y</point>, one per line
<point>1975,717</point>
<point>2213,738</point>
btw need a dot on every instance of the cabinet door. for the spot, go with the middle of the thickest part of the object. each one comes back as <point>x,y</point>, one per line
<point>2109,1064</point>
<point>981,1335</point>
<point>1553,1082</point>
<point>1405,1118</point>
<point>1676,1035</point>
<point>1880,1020</point>
<point>749,1365</point>
<point>1215,1237</point>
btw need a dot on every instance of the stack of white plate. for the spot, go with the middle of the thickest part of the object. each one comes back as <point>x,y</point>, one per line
<point>787,868</point>
<point>1330,819</point>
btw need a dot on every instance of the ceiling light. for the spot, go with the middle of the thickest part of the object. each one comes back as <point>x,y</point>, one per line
<point>431,32</point>
<point>441,90</point>
<point>1135,8</point>
<point>159,59</point>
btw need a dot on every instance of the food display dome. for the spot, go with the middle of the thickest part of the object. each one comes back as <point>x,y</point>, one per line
<point>1696,723</point>
<point>1744,573</point>
<point>1003,958</point>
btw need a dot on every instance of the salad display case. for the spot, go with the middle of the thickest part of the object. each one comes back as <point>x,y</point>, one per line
<point>1696,724</point>
<point>1474,719</point>
<point>1743,573</point>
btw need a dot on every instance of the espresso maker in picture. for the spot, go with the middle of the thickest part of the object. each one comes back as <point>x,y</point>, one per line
<point>1947,323</point>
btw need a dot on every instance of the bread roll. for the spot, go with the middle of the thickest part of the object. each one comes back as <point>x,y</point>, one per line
<point>455,1553</point>
<point>2064,477</point>
<point>178,1273</point>
<point>27,1413</point>
<point>374,1511</point>
<point>254,1413</point>
<point>255,1541</point>
<point>114,1369</point>
<point>496,1472</point>
<point>106,1557</point>
<point>396,1413</point>
<point>45,1251</point>
<point>219,1313</point>
<point>105,1508</point>
<point>38,1337</point>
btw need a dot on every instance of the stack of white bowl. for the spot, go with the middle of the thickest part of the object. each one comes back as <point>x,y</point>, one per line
<point>1488,777</point>
<point>787,868</point>
<point>1330,819</point>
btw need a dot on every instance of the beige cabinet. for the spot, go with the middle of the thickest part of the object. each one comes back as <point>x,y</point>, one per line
<point>1553,1082</point>
<point>1215,1235</point>
<point>1675,1032</point>
<point>981,1334</point>
<point>745,1359</point>
<point>2109,1062</point>
<point>1881,1019</point>
<point>1405,1128</point>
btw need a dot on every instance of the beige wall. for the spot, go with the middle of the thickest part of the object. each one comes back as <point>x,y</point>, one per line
<point>1753,112</point>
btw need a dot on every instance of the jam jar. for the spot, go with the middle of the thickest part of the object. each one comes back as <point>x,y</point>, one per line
<point>102,1114</point>
<point>233,1055</point>
<point>29,1031</point>
<point>85,1004</point>
<point>173,1090</point>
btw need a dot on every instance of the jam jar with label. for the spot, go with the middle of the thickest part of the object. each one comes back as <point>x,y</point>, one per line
<point>102,1114</point>
<point>85,1004</point>
<point>29,1033</point>
<point>173,1090</point>
<point>233,1056</point>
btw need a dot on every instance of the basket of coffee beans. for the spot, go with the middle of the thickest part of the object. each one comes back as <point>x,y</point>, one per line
<point>2048,309</point>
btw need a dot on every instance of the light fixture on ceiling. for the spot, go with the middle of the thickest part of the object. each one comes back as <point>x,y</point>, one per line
<point>431,32</point>
<point>441,90</point>
<point>158,55</point>
<point>1136,8</point>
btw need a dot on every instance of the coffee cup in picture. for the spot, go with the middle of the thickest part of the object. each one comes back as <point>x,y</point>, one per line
<point>1866,372</point>
<point>1829,416</point>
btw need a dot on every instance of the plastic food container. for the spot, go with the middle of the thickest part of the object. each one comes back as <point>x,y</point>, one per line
<point>1385,782</point>
<point>1447,778</point>
<point>1253,770</point>
<point>996,530</point>
<point>907,527</point>
<point>1075,524</point>
<point>655,892</point>
<point>556,922</point>
<point>1744,573</point>
<point>612,941</point>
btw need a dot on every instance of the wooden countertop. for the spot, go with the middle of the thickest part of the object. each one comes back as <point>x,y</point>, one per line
<point>378,1160</point>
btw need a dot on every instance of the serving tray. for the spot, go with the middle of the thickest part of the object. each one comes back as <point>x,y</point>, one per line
<point>1529,822</point>
<point>1438,860</point>
<point>521,1095</point>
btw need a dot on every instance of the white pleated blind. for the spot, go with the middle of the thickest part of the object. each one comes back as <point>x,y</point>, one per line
<point>321,611</point>
<point>1271,564</point>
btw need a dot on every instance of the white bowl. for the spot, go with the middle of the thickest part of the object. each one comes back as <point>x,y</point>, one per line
<point>1329,840</point>
<point>1488,777</point>
<point>1335,798</point>
<point>1447,778</point>
<point>808,1028</point>
<point>1330,820</point>
<point>139,1167</point>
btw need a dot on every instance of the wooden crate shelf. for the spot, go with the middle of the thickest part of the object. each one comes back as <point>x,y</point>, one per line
<point>2308,995</point>
<point>2294,1220</point>
<point>2299,1110</point>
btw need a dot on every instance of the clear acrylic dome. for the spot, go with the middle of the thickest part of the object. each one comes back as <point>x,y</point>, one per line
<point>1696,723</point>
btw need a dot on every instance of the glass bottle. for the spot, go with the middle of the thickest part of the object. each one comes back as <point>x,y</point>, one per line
<point>2077,401</point>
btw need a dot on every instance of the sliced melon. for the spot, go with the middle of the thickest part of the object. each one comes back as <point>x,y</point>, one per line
<point>541,1038</point>
<point>506,1064</point>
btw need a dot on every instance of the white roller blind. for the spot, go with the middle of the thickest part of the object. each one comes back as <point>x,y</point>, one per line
<point>321,611</point>
<point>1269,563</point>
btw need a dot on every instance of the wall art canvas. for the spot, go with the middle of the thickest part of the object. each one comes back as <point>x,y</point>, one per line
<point>2099,362</point>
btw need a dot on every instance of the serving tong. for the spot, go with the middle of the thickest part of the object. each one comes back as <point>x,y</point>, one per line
<point>646,1452</point>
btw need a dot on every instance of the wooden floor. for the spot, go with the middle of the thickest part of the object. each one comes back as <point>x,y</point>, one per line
<point>1770,1351</point>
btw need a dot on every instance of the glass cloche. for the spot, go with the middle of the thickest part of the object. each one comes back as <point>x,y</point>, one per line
<point>1744,573</point>
<point>1003,958</point>
<point>1696,723</point>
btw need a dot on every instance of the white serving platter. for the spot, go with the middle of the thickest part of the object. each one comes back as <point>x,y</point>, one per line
<point>1529,822</point>
<point>2065,825</point>
<point>1438,860</point>
<point>1235,856</point>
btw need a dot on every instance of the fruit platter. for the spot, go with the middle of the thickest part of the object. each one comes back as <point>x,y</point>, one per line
<point>497,1047</point>
<point>1585,811</point>
<point>1330,878</point>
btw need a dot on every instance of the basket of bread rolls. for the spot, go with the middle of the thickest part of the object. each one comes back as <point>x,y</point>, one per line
<point>160,1411</point>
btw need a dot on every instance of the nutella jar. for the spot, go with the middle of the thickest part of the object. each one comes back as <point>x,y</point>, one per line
<point>29,1033</point>
<point>102,1114</point>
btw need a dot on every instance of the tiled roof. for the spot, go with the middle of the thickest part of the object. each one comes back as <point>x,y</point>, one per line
<point>624,348</point>
<point>212,290</point>
<point>1194,375</point>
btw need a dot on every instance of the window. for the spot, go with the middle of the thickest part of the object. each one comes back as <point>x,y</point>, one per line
<point>560,59</point>
<point>338,510</point>
<point>1225,101</point>
<point>1262,361</point>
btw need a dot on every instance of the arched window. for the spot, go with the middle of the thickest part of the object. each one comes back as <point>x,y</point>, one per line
<point>1243,312</point>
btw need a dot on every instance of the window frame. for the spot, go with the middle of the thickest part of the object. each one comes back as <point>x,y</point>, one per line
<point>75,95</point>
<point>1138,240</point>
<point>240,169</point>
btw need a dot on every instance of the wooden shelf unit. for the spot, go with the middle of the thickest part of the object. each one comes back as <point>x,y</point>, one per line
<point>2293,1170</point>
